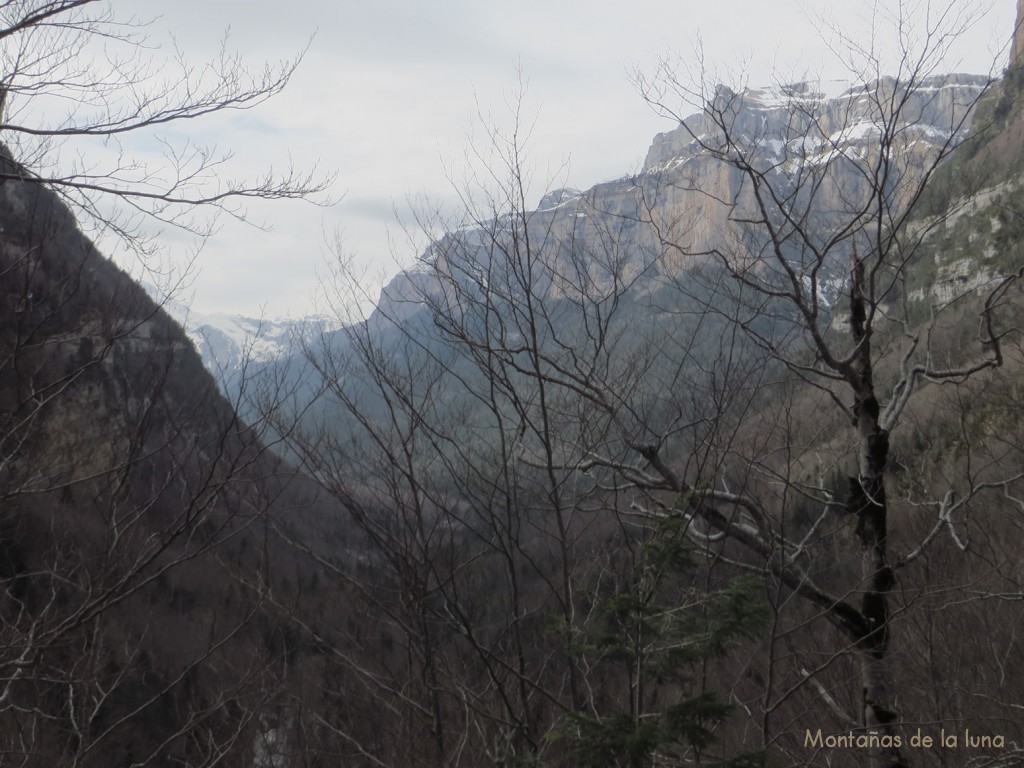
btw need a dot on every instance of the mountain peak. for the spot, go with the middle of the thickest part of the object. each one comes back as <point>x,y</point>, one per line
<point>825,110</point>
<point>557,197</point>
<point>1017,49</point>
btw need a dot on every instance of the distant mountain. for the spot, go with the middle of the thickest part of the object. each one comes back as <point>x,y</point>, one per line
<point>781,129</point>
<point>773,120</point>
<point>169,582</point>
<point>135,507</point>
<point>533,353</point>
<point>228,343</point>
<point>620,230</point>
<point>625,223</point>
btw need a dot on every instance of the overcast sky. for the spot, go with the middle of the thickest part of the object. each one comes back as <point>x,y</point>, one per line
<point>387,93</point>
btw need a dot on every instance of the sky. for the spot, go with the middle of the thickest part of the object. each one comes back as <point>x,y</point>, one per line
<point>390,94</point>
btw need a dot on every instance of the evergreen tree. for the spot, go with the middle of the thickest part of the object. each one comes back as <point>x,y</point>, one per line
<point>660,630</point>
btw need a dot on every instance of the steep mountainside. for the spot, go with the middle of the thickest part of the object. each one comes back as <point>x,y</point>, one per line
<point>228,343</point>
<point>586,504</point>
<point>137,625</point>
<point>781,130</point>
<point>625,224</point>
<point>572,430</point>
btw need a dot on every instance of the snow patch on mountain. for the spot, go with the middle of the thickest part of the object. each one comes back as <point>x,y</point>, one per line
<point>812,123</point>
<point>780,96</point>
<point>556,198</point>
<point>229,343</point>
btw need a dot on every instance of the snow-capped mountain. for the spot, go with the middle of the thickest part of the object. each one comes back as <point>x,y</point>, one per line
<point>830,131</point>
<point>230,343</point>
<point>816,122</point>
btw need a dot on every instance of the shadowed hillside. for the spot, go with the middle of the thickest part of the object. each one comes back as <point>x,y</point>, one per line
<point>718,465</point>
<point>138,621</point>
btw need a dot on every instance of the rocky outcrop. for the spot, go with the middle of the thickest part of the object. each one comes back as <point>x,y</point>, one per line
<point>827,131</point>
<point>685,195</point>
<point>808,122</point>
<point>557,197</point>
<point>128,493</point>
<point>1017,48</point>
<point>403,296</point>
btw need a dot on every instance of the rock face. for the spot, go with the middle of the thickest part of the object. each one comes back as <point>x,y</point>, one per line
<point>1017,49</point>
<point>558,197</point>
<point>831,132</point>
<point>228,344</point>
<point>806,122</point>
<point>123,476</point>
<point>685,195</point>
<point>403,296</point>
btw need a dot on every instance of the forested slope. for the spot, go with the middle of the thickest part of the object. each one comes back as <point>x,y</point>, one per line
<point>138,623</point>
<point>608,483</point>
<point>630,478</point>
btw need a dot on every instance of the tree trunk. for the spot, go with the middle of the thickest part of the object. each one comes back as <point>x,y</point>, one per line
<point>867,501</point>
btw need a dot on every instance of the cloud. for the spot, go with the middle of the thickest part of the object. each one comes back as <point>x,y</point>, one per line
<point>387,93</point>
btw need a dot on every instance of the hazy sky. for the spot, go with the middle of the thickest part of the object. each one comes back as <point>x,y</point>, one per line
<point>388,90</point>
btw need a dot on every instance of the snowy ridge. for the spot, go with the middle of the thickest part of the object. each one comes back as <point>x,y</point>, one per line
<point>780,96</point>
<point>815,122</point>
<point>227,343</point>
<point>556,198</point>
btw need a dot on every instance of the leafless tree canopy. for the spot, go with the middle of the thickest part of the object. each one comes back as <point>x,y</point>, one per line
<point>556,393</point>
<point>716,465</point>
<point>135,623</point>
<point>79,77</point>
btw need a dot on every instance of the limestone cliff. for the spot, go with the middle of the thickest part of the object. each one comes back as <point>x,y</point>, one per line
<point>686,202</point>
<point>127,491</point>
<point>1017,49</point>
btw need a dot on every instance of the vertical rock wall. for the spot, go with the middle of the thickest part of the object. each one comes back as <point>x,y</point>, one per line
<point>1017,51</point>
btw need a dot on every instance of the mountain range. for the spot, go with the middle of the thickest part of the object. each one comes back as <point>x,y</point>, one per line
<point>596,483</point>
<point>763,120</point>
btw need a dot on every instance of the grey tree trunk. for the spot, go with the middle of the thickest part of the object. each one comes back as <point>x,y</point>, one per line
<point>867,501</point>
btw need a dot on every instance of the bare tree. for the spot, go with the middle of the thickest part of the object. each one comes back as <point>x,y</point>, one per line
<point>815,209</point>
<point>473,426</point>
<point>741,351</point>
<point>76,77</point>
<point>135,624</point>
